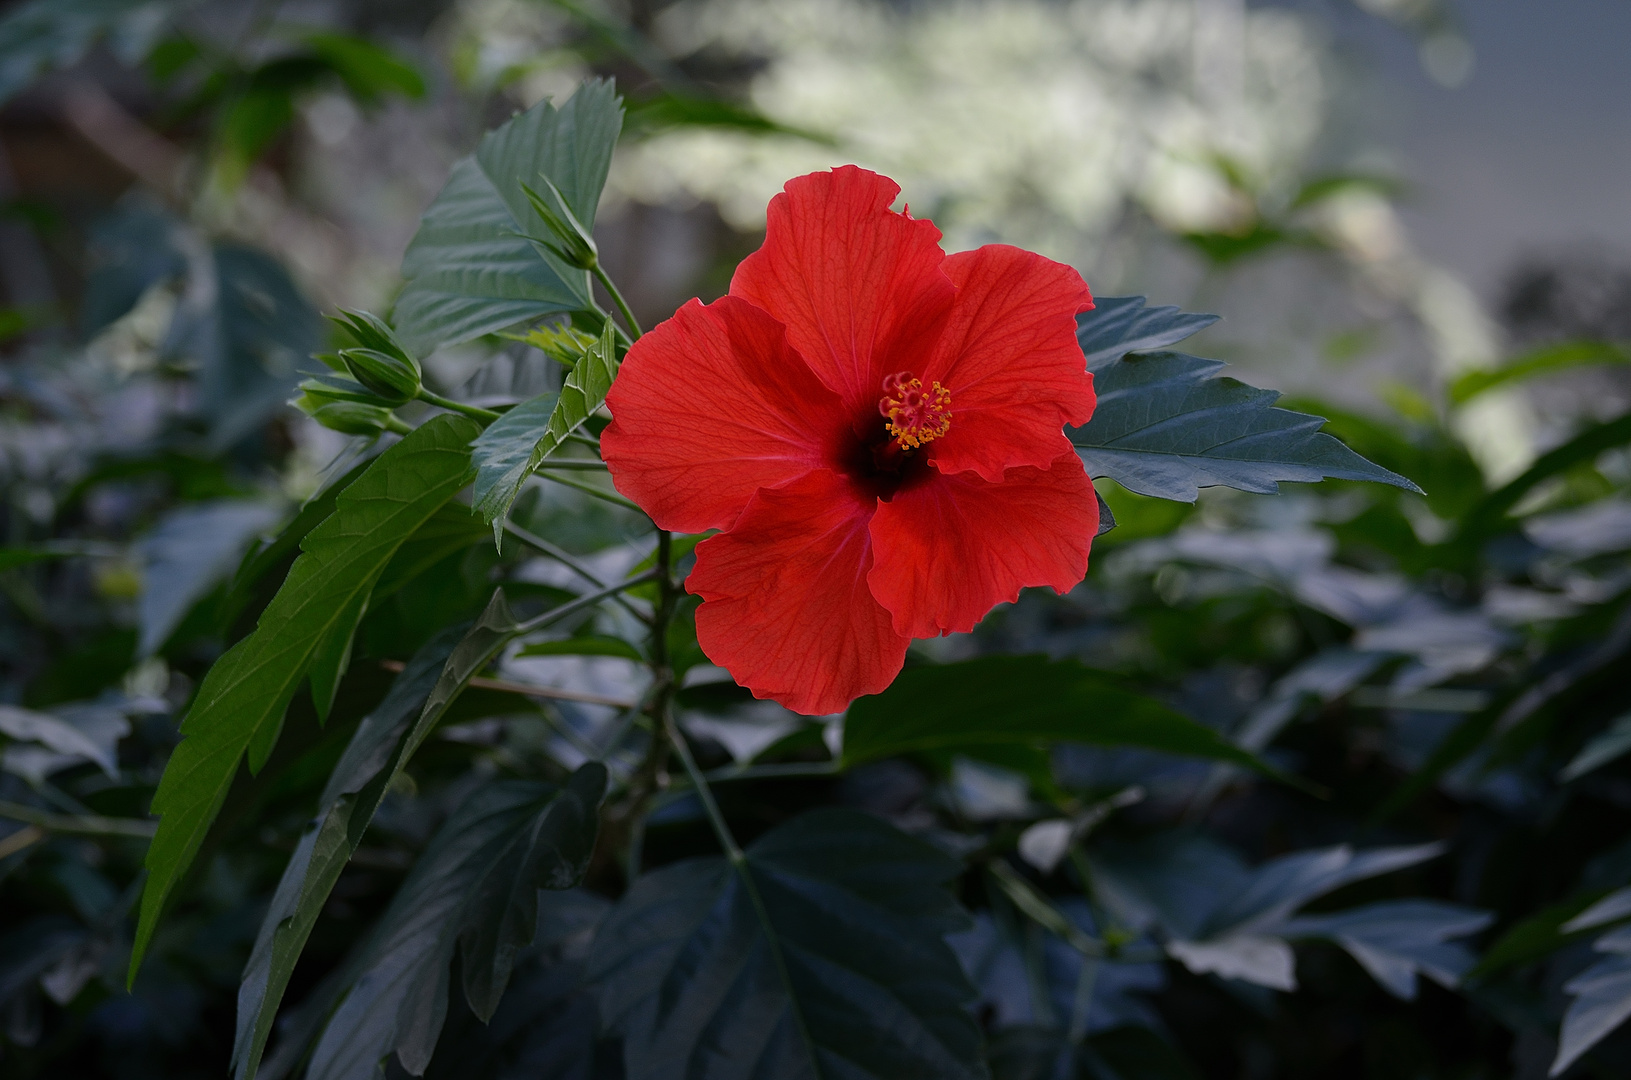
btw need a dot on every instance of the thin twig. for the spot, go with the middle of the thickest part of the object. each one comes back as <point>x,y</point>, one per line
<point>588,489</point>
<point>555,614</point>
<point>571,562</point>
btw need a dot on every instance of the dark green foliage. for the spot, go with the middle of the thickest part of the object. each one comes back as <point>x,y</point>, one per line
<point>1019,699</point>
<point>469,271</point>
<point>512,448</point>
<point>306,630</point>
<point>1327,785</point>
<point>1166,426</point>
<point>475,888</point>
<point>820,955</point>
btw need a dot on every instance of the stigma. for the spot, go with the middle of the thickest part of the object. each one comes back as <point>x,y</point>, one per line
<point>916,416</point>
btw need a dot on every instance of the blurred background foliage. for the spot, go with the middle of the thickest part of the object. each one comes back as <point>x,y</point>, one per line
<point>185,186</point>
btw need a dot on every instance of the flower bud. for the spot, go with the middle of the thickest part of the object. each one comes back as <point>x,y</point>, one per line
<point>392,378</point>
<point>572,243</point>
<point>371,332</point>
<point>321,389</point>
<point>348,417</point>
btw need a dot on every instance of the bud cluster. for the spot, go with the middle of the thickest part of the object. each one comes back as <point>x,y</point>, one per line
<point>368,380</point>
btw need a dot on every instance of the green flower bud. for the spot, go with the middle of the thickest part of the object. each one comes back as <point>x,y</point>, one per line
<point>572,243</point>
<point>393,379</point>
<point>348,417</point>
<point>371,332</point>
<point>325,388</point>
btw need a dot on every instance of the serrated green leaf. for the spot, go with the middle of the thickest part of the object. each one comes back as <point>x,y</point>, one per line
<point>383,744</point>
<point>475,888</point>
<point>239,708</point>
<point>468,270</point>
<point>821,955</point>
<point>355,789</point>
<point>1021,699</point>
<point>1166,426</point>
<point>452,528</point>
<point>514,444</point>
<point>1118,325</point>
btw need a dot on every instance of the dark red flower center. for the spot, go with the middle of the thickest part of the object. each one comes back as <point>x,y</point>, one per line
<point>883,451</point>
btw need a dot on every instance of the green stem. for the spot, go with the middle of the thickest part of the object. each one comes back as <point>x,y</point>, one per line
<point>589,489</point>
<point>393,422</point>
<point>568,560</point>
<point>733,851</point>
<point>475,412</point>
<point>1041,911</point>
<point>617,298</point>
<point>739,863</point>
<point>538,622</point>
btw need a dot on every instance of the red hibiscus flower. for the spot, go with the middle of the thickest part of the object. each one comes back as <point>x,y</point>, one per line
<point>877,429</point>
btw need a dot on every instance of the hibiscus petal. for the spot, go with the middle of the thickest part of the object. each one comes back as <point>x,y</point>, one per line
<point>1009,356</point>
<point>709,407</point>
<point>857,285</point>
<point>949,549</point>
<point>786,607</point>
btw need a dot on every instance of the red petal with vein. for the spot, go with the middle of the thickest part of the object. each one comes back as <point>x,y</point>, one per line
<point>857,285</point>
<point>948,550</point>
<point>786,607</point>
<point>709,407</point>
<point>1009,356</point>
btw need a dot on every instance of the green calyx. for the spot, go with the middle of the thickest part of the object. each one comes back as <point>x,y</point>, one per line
<point>395,379</point>
<point>348,417</point>
<point>573,244</point>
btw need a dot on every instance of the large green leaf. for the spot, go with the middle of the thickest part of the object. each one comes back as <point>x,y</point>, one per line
<point>239,708</point>
<point>1118,325</point>
<point>514,444</point>
<point>1166,426</point>
<point>822,955</point>
<point>1020,699</point>
<point>469,271</point>
<point>475,888</point>
<point>355,789</point>
<point>451,529</point>
<point>315,865</point>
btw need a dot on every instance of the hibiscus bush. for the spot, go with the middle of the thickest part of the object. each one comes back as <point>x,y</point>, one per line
<point>904,665</point>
